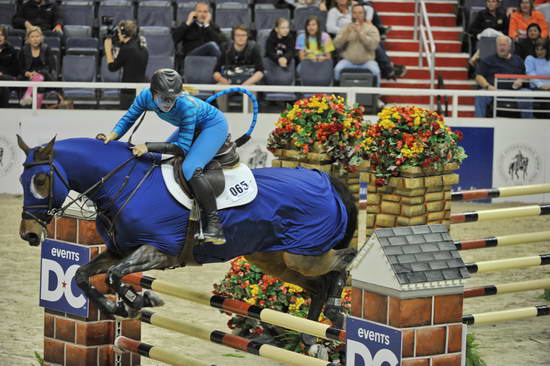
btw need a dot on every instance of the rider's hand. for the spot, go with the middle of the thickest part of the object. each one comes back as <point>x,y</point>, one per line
<point>139,150</point>
<point>112,136</point>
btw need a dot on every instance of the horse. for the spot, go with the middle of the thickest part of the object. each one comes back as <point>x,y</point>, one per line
<point>298,228</point>
<point>520,163</point>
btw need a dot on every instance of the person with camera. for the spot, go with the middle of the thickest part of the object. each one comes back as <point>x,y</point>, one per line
<point>132,58</point>
<point>358,42</point>
<point>241,63</point>
<point>39,13</point>
<point>189,114</point>
<point>199,36</point>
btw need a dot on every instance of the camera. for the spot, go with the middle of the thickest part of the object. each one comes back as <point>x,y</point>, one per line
<point>112,28</point>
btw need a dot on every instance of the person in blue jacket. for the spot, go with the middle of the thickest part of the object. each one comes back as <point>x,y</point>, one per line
<point>165,97</point>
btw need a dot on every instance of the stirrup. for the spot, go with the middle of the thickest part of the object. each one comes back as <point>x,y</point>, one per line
<point>199,235</point>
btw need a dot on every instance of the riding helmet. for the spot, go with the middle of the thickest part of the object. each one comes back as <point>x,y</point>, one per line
<point>166,82</point>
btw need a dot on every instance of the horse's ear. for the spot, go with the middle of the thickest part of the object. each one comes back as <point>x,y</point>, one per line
<point>46,152</point>
<point>22,144</point>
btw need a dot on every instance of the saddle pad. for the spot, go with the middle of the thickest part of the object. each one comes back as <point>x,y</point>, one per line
<point>240,186</point>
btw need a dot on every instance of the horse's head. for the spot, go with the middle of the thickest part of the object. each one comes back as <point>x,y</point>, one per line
<point>45,187</point>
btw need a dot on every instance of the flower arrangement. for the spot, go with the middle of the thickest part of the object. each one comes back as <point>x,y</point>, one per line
<point>326,122</point>
<point>246,282</point>
<point>407,137</point>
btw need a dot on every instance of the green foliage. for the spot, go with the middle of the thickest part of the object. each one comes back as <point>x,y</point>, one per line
<point>472,352</point>
<point>39,358</point>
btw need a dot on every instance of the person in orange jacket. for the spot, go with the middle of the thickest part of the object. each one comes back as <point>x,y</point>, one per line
<point>525,15</point>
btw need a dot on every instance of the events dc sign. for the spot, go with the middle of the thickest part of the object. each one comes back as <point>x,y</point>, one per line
<point>372,344</point>
<point>58,288</point>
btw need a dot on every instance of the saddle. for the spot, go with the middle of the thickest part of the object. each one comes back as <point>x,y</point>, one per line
<point>226,158</point>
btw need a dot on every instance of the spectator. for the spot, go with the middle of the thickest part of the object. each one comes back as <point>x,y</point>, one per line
<point>9,65</point>
<point>491,22</point>
<point>358,42</point>
<point>280,44</point>
<point>314,44</point>
<point>540,65</point>
<point>39,13</point>
<point>340,16</point>
<point>132,58</point>
<point>199,36</point>
<point>526,46</point>
<point>241,63</point>
<point>321,4</point>
<point>524,16</point>
<point>37,63</point>
<point>503,62</point>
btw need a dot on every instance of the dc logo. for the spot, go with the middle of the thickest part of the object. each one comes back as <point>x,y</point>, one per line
<point>58,289</point>
<point>64,286</point>
<point>383,357</point>
<point>372,344</point>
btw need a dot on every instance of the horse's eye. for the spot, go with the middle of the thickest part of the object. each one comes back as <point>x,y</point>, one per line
<point>40,181</point>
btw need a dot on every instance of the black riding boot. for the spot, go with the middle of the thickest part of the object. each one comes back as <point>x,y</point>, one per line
<point>204,194</point>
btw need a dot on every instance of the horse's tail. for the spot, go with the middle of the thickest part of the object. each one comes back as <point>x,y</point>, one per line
<point>351,210</point>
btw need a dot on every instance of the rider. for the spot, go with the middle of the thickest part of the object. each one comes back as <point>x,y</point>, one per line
<point>165,97</point>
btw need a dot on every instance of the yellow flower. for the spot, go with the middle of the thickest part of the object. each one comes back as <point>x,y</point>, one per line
<point>297,305</point>
<point>251,301</point>
<point>347,122</point>
<point>255,290</point>
<point>369,141</point>
<point>408,153</point>
<point>418,147</point>
<point>292,287</point>
<point>417,121</point>
<point>387,124</point>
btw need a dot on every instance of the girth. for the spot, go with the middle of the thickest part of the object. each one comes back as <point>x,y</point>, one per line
<point>227,157</point>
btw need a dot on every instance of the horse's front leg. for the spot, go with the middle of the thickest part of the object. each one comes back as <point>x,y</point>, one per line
<point>142,259</point>
<point>98,265</point>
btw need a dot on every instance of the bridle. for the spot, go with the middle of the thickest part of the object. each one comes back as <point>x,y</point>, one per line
<point>44,218</point>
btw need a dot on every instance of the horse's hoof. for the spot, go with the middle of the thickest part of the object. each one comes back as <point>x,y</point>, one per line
<point>151,299</point>
<point>318,351</point>
<point>309,340</point>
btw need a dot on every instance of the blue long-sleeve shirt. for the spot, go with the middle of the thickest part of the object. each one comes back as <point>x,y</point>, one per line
<point>538,66</point>
<point>188,113</point>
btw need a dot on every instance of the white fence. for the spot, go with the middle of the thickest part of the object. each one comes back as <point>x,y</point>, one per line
<point>350,92</point>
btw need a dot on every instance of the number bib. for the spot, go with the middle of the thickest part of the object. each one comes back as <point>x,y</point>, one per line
<point>240,187</point>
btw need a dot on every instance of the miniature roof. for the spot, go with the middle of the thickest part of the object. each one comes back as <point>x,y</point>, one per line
<point>409,258</point>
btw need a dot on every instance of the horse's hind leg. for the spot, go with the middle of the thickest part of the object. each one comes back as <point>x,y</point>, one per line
<point>330,267</point>
<point>98,265</point>
<point>144,258</point>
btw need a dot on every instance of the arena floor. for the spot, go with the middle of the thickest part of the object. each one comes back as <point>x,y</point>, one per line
<point>523,342</point>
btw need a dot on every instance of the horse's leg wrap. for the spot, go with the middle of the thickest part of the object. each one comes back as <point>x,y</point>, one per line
<point>333,309</point>
<point>142,259</point>
<point>98,265</point>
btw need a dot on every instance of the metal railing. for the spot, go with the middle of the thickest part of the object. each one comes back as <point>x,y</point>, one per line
<point>349,92</point>
<point>426,45</point>
<point>509,78</point>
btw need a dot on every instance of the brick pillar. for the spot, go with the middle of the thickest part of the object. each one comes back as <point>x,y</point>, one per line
<point>416,197</point>
<point>432,326</point>
<point>76,341</point>
<point>320,160</point>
